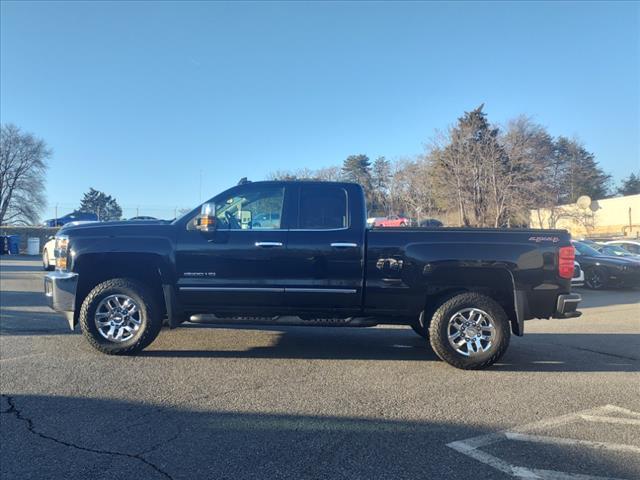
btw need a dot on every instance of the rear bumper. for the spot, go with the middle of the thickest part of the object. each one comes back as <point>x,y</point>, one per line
<point>60,292</point>
<point>566,306</point>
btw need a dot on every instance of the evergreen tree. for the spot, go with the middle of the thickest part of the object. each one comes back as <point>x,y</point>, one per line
<point>466,165</point>
<point>630,185</point>
<point>104,206</point>
<point>380,183</point>
<point>357,169</point>
<point>581,173</point>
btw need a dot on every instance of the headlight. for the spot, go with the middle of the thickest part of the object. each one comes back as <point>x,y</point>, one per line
<point>61,252</point>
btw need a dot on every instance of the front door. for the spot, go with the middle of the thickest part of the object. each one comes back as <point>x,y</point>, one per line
<point>238,266</point>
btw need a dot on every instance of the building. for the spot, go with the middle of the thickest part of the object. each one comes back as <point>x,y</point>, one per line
<point>611,217</point>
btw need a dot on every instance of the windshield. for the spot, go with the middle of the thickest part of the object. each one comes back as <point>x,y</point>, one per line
<point>613,250</point>
<point>584,249</point>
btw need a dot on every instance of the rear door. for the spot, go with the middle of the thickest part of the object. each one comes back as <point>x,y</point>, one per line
<point>326,249</point>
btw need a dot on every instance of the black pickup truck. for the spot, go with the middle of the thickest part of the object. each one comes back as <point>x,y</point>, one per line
<point>300,253</point>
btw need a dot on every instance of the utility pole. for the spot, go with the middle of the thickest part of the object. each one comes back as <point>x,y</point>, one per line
<point>200,189</point>
<point>56,215</point>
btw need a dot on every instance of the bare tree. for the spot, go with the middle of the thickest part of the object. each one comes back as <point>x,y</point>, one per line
<point>411,189</point>
<point>519,176</point>
<point>327,174</point>
<point>22,174</point>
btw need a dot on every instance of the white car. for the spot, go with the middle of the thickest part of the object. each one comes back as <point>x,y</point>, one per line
<point>631,246</point>
<point>578,275</point>
<point>48,251</point>
<point>48,257</point>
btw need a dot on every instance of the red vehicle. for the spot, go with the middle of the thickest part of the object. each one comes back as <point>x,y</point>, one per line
<point>392,221</point>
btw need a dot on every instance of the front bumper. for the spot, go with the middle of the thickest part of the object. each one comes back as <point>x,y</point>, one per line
<point>566,305</point>
<point>60,292</point>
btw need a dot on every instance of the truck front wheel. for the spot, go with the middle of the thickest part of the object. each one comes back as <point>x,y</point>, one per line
<point>470,331</point>
<point>120,317</point>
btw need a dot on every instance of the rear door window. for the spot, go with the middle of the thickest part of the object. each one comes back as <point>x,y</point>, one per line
<point>322,207</point>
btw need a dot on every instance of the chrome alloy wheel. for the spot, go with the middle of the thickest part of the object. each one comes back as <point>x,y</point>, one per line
<point>118,318</point>
<point>471,331</point>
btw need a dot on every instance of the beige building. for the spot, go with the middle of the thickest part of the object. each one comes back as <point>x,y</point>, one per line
<point>611,217</point>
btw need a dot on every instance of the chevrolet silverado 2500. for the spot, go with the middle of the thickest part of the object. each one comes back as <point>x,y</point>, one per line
<point>300,253</point>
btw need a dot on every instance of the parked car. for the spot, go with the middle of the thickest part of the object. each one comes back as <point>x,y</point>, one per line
<point>631,246</point>
<point>615,251</point>
<point>467,290</point>
<point>48,250</point>
<point>141,218</point>
<point>266,220</point>
<point>392,221</point>
<point>431,223</point>
<point>71,217</point>
<point>578,276</point>
<point>48,256</point>
<point>602,271</point>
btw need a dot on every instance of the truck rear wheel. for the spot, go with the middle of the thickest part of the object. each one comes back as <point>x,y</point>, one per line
<point>120,317</point>
<point>470,331</point>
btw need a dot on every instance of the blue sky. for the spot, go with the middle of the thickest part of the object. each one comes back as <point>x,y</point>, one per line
<point>137,98</point>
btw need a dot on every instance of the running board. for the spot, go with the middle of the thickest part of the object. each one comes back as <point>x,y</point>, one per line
<point>285,320</point>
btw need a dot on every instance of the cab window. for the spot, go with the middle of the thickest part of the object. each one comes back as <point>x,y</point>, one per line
<point>251,208</point>
<point>322,208</point>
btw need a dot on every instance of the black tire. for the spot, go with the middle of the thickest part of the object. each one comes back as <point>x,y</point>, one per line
<point>420,328</point>
<point>150,316</point>
<point>439,331</point>
<point>45,261</point>
<point>594,278</point>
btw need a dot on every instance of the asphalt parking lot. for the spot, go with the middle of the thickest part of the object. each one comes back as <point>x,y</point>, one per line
<point>310,403</point>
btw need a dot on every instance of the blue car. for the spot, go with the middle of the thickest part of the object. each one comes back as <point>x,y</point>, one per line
<point>71,217</point>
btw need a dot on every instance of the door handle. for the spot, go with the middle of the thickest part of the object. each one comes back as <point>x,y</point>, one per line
<point>268,244</point>
<point>344,245</point>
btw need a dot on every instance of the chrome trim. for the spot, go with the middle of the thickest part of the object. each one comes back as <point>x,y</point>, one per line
<point>471,331</point>
<point>270,289</point>
<point>283,229</point>
<point>268,244</point>
<point>118,318</point>
<point>231,289</point>
<point>60,293</point>
<point>320,290</point>
<point>344,245</point>
<point>319,229</point>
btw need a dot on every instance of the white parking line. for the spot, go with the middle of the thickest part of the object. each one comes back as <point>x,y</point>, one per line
<point>471,446</point>
<point>600,419</point>
<point>523,437</point>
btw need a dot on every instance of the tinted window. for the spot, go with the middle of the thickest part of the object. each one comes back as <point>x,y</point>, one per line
<point>251,208</point>
<point>323,207</point>
<point>584,249</point>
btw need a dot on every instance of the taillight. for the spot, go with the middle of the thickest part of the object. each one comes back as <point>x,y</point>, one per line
<point>566,257</point>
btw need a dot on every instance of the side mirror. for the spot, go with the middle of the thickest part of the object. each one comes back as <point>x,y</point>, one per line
<point>206,221</point>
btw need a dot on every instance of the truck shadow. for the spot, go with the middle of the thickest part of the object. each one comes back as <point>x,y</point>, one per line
<point>541,352</point>
<point>69,437</point>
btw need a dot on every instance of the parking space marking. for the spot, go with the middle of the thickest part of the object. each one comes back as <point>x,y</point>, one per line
<point>601,419</point>
<point>523,433</point>
<point>523,437</point>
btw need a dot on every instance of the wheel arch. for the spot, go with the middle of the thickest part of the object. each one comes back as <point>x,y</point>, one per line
<point>145,268</point>
<point>496,283</point>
